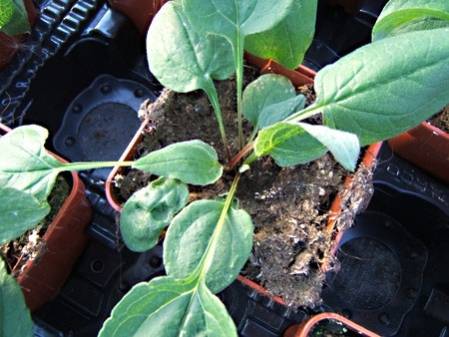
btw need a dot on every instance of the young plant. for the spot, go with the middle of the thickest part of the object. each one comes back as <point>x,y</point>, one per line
<point>374,93</point>
<point>13,17</point>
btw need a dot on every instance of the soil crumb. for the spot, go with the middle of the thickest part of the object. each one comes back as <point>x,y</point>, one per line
<point>441,120</point>
<point>29,246</point>
<point>289,206</point>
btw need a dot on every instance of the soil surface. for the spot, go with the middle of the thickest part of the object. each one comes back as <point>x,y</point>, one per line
<point>441,120</point>
<point>289,206</point>
<point>29,246</point>
<point>330,328</point>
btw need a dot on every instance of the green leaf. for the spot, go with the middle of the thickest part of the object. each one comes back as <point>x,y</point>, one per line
<point>235,19</point>
<point>386,87</point>
<point>196,235</point>
<point>292,144</point>
<point>401,16</point>
<point>180,58</point>
<point>19,212</point>
<point>25,164</point>
<point>344,146</point>
<point>289,40</point>
<point>270,99</point>
<point>13,17</point>
<point>15,318</point>
<point>193,162</point>
<point>166,307</point>
<point>149,211</point>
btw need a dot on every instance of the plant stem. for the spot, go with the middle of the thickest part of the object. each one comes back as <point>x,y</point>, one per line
<point>252,158</point>
<point>238,56</point>
<point>243,152</point>
<point>211,92</point>
<point>209,258</point>
<point>304,114</point>
<point>81,166</point>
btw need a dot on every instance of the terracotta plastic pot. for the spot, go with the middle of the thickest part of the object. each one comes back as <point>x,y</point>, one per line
<point>427,147</point>
<point>63,242</point>
<point>140,12</point>
<point>305,329</point>
<point>299,77</point>
<point>303,76</point>
<point>9,45</point>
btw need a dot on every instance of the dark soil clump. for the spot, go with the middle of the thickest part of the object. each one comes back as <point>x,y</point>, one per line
<point>330,328</point>
<point>29,246</point>
<point>289,206</point>
<point>441,120</point>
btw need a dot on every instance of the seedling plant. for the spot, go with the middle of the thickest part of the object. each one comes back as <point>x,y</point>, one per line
<point>376,92</point>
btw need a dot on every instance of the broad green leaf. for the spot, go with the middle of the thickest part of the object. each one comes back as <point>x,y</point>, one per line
<point>293,144</point>
<point>386,87</point>
<point>193,162</point>
<point>19,212</point>
<point>166,307</point>
<point>25,164</point>
<point>270,99</point>
<point>15,318</point>
<point>182,59</point>
<point>196,234</point>
<point>401,16</point>
<point>150,210</point>
<point>289,40</point>
<point>13,17</point>
<point>235,19</point>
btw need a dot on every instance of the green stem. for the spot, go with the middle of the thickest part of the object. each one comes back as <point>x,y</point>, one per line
<point>211,92</point>
<point>238,59</point>
<point>308,112</point>
<point>252,158</point>
<point>81,166</point>
<point>209,255</point>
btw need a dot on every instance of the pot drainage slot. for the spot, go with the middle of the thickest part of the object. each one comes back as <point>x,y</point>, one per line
<point>380,275</point>
<point>101,121</point>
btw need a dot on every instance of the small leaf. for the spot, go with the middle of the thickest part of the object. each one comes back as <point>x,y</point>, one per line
<point>180,58</point>
<point>25,164</point>
<point>193,162</point>
<point>289,40</point>
<point>196,234</point>
<point>386,87</point>
<point>344,146</point>
<point>13,17</point>
<point>402,16</point>
<point>15,318</point>
<point>270,99</point>
<point>166,307</point>
<point>150,210</point>
<point>19,212</point>
<point>293,144</point>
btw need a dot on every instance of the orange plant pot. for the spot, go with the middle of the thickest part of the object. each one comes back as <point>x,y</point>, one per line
<point>305,329</point>
<point>427,147</point>
<point>63,242</point>
<point>300,77</point>
<point>140,12</point>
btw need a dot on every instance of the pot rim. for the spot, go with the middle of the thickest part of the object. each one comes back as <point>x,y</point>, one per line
<point>307,327</point>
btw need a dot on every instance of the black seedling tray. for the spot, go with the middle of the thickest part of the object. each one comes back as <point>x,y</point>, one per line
<point>393,277</point>
<point>87,68</point>
<point>338,32</point>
